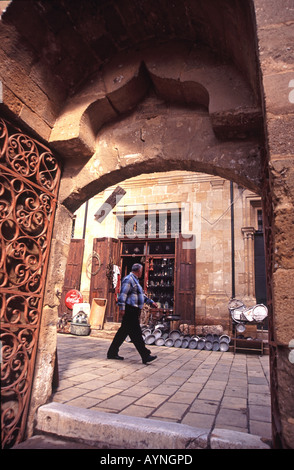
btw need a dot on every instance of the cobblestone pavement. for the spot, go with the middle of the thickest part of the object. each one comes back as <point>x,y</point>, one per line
<point>206,389</point>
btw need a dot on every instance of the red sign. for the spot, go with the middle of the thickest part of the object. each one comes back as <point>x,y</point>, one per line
<point>73,297</point>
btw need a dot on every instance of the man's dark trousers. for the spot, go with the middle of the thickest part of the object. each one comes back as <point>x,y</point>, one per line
<point>130,326</point>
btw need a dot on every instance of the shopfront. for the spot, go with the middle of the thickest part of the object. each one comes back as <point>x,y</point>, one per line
<point>153,240</point>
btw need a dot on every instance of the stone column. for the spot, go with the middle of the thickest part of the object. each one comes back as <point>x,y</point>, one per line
<point>47,344</point>
<point>248,236</point>
<point>275,31</point>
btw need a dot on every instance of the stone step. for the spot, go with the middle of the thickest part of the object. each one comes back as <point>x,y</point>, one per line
<point>89,428</point>
<point>114,431</point>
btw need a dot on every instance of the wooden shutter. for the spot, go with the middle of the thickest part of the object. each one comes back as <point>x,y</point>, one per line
<point>72,278</point>
<point>185,280</point>
<point>106,253</point>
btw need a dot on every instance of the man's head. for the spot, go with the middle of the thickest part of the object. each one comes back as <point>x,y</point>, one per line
<point>137,269</point>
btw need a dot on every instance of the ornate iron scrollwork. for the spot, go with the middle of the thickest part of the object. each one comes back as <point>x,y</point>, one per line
<point>29,177</point>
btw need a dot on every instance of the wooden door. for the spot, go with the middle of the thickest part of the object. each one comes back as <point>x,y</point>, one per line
<point>72,278</point>
<point>105,255</point>
<point>185,280</point>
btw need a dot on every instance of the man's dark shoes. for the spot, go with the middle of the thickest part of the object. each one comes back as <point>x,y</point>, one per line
<point>149,359</point>
<point>116,356</point>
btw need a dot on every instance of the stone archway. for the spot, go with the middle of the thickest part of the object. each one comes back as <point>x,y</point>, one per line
<point>44,88</point>
<point>144,113</point>
<point>148,141</point>
<point>159,132</point>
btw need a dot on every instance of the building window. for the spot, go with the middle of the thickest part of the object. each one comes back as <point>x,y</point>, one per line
<point>155,224</point>
<point>259,220</point>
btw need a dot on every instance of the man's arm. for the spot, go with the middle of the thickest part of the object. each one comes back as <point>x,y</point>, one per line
<point>149,302</point>
<point>125,288</point>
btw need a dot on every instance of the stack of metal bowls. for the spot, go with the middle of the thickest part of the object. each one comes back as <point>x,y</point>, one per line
<point>213,342</point>
<point>224,343</point>
<point>160,337</point>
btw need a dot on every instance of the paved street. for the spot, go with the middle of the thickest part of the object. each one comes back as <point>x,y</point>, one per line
<point>206,389</point>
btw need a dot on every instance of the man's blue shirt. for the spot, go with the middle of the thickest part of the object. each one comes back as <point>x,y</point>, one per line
<point>131,293</point>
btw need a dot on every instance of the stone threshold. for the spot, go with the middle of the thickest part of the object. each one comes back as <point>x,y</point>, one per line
<point>99,430</point>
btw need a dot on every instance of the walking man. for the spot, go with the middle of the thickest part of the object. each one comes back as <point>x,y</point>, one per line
<point>131,300</point>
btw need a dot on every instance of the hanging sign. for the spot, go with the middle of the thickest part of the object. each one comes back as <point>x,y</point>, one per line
<point>109,204</point>
<point>73,297</point>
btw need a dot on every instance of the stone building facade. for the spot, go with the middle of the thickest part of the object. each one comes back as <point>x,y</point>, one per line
<point>206,204</point>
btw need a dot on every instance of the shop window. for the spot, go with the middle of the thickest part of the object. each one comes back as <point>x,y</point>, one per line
<point>133,249</point>
<point>154,224</point>
<point>164,247</point>
<point>158,260</point>
<point>259,221</point>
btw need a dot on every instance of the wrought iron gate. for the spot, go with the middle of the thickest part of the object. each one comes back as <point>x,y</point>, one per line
<point>29,179</point>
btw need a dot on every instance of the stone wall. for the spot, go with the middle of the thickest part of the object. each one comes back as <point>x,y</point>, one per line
<point>47,344</point>
<point>275,32</point>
